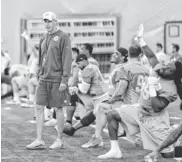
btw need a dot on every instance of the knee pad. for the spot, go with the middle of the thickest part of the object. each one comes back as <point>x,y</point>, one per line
<point>88,119</point>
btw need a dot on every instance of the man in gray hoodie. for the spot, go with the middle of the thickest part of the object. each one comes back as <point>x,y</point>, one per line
<point>55,60</point>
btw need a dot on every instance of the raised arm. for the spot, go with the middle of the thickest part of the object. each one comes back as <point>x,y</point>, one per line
<point>28,40</point>
<point>150,55</point>
<point>147,51</point>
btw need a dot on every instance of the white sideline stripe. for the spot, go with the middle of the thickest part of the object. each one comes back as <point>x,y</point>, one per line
<point>32,121</point>
<point>7,108</point>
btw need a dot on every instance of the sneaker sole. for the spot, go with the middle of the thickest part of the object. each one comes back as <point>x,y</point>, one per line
<point>110,158</point>
<point>95,146</point>
<point>57,148</point>
<point>50,125</point>
<point>36,148</point>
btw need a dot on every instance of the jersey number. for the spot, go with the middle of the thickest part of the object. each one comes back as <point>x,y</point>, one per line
<point>139,80</point>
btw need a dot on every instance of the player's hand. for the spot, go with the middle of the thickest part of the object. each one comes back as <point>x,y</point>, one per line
<point>73,90</point>
<point>139,34</point>
<point>25,35</point>
<point>62,87</point>
<point>154,156</point>
<point>140,31</point>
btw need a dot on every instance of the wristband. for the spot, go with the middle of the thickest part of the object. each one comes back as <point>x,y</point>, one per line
<point>142,42</point>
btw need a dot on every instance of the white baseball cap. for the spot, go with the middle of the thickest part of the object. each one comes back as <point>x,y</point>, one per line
<point>49,16</point>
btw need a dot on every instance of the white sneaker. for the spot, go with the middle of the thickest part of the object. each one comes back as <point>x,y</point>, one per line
<point>14,101</point>
<point>112,154</point>
<point>46,118</point>
<point>35,145</point>
<point>51,122</point>
<point>17,100</point>
<point>24,99</point>
<point>58,144</point>
<point>10,102</point>
<point>29,105</point>
<point>93,143</point>
<point>47,114</point>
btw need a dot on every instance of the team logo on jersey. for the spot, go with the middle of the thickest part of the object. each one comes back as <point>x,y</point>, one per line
<point>56,38</point>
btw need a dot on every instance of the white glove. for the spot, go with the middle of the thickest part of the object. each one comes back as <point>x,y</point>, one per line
<point>139,36</point>
<point>73,90</point>
<point>140,31</point>
<point>25,35</point>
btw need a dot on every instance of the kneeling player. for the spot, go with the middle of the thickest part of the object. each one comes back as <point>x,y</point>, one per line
<point>131,79</point>
<point>115,95</point>
<point>150,117</point>
<point>92,90</point>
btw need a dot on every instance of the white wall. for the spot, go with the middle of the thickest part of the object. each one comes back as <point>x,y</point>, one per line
<point>153,13</point>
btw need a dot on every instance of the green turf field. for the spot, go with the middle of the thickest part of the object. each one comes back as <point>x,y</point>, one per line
<point>17,132</point>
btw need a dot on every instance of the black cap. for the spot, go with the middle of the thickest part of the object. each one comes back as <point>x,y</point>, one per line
<point>123,51</point>
<point>176,46</point>
<point>178,62</point>
<point>81,57</point>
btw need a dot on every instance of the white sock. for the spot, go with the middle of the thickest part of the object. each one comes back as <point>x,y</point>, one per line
<point>114,145</point>
<point>32,97</point>
<point>114,152</point>
<point>16,97</point>
<point>47,113</point>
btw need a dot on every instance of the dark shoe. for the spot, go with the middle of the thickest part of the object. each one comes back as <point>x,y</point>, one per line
<point>122,135</point>
<point>69,130</point>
